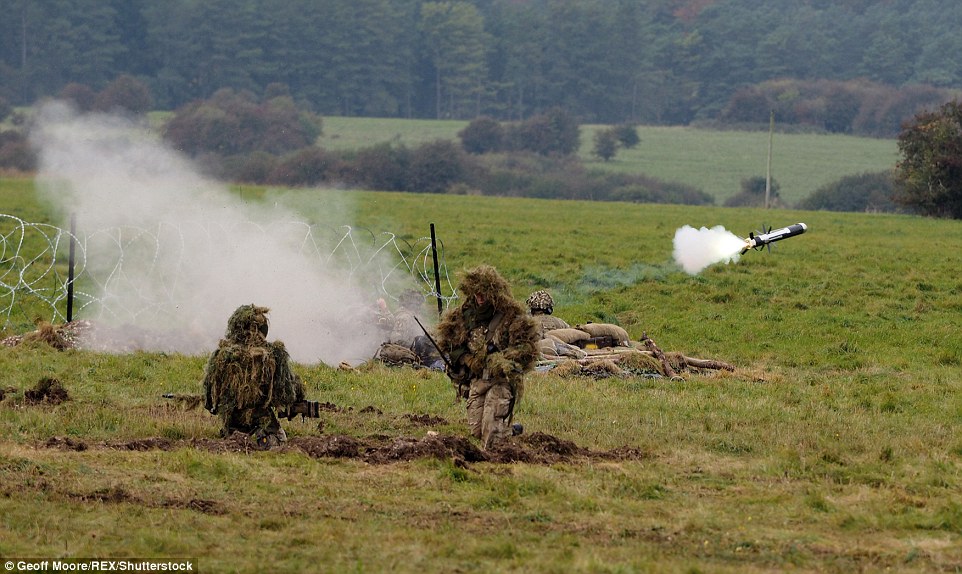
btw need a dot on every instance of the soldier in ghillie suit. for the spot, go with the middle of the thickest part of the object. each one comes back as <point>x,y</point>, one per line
<point>491,343</point>
<point>247,378</point>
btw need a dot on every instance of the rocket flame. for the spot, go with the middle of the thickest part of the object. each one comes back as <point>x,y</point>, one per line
<point>696,249</point>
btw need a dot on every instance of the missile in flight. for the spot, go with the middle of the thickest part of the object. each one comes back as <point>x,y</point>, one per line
<point>771,236</point>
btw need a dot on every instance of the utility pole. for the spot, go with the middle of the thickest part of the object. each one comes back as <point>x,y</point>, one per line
<point>768,175</point>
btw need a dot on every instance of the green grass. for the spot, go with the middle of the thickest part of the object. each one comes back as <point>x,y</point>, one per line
<point>833,447</point>
<point>342,133</point>
<point>718,161</point>
<point>713,161</point>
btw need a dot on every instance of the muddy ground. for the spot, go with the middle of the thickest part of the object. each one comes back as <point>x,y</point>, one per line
<point>534,448</point>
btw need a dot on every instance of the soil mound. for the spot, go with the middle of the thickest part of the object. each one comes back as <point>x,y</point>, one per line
<point>426,420</point>
<point>65,443</point>
<point>48,390</point>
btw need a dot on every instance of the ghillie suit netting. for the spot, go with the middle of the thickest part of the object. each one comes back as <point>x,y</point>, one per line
<point>247,377</point>
<point>139,276</point>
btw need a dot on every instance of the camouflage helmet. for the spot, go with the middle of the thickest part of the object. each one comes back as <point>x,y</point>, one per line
<point>541,302</point>
<point>411,299</point>
<point>247,322</point>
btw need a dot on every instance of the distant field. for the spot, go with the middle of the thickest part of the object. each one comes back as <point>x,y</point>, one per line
<point>713,161</point>
<point>718,161</point>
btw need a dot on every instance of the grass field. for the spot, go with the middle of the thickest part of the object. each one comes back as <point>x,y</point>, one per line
<point>833,447</point>
<point>713,161</point>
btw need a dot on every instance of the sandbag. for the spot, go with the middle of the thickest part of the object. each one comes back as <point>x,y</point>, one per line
<point>607,330</point>
<point>396,355</point>
<point>554,347</point>
<point>550,322</point>
<point>570,336</point>
<point>546,347</point>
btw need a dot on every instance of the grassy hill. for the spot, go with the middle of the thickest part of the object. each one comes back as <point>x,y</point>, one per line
<point>833,447</point>
<point>713,161</point>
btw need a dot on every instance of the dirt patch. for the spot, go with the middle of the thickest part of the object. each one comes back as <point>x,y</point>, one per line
<point>536,448</point>
<point>426,420</point>
<point>334,446</point>
<point>65,443</point>
<point>143,445</point>
<point>384,450</point>
<point>119,495</point>
<point>197,505</point>
<point>432,446</point>
<point>237,442</point>
<point>113,494</point>
<point>47,391</point>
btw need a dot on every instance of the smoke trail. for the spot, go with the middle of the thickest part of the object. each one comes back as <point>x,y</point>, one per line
<point>696,249</point>
<point>111,172</point>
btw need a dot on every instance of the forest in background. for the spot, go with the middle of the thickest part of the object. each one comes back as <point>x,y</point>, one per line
<point>854,66</point>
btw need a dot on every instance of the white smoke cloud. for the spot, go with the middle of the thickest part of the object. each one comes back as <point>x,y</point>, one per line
<point>206,251</point>
<point>696,249</point>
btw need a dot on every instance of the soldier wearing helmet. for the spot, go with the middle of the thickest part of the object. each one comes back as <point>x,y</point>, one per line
<point>491,343</point>
<point>247,378</point>
<point>541,306</point>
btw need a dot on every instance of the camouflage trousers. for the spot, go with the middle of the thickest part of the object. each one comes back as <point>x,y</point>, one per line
<point>490,406</point>
<point>252,420</point>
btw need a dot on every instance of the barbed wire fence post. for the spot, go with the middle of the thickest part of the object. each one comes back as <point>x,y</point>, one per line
<point>437,274</point>
<point>70,265</point>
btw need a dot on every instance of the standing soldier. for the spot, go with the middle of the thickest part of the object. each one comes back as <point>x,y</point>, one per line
<point>491,342</point>
<point>247,378</point>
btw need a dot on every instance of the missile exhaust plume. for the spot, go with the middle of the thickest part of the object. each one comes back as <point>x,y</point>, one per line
<point>696,249</point>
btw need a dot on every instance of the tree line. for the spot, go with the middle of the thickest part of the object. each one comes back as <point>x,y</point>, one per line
<point>858,66</point>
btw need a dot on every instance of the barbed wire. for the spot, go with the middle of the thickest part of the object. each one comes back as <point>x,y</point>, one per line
<point>34,266</point>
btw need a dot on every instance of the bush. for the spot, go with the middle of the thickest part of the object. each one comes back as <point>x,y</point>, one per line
<point>284,126</point>
<point>747,105</point>
<point>634,193</point>
<point>125,93</point>
<point>684,194</point>
<point>854,106</point>
<point>753,194</point>
<point>435,166</point>
<point>5,108</point>
<point>644,189</point>
<point>383,167</point>
<point>255,167</point>
<point>554,133</point>
<point>928,177</point>
<point>627,136</point>
<point>81,96</point>
<point>606,144</point>
<point>482,135</point>
<point>16,153</point>
<point>306,167</point>
<point>867,192</point>
<point>231,123</point>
